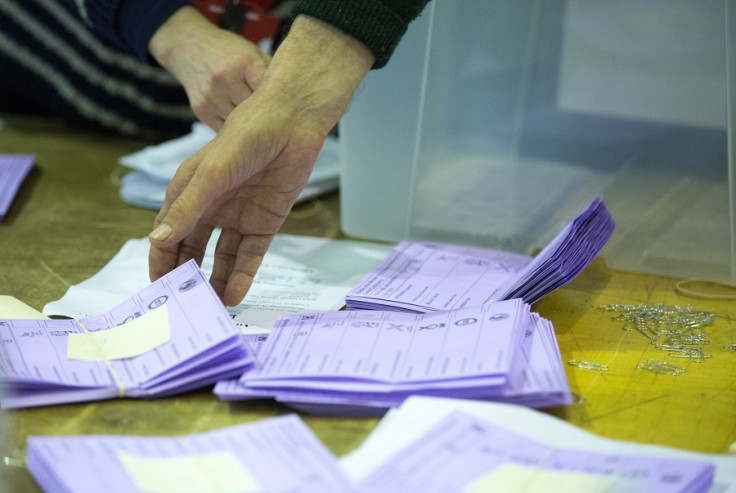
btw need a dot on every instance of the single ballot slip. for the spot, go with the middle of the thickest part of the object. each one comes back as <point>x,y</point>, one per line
<point>13,170</point>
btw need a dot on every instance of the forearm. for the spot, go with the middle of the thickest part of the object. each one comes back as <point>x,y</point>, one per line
<point>378,24</point>
<point>177,41</point>
<point>316,71</point>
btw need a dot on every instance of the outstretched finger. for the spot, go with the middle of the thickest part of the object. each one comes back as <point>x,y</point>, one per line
<point>248,259</point>
<point>194,246</point>
<point>161,260</point>
<point>225,252</point>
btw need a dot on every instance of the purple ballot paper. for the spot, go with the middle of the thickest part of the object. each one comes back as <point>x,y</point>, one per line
<point>466,453</point>
<point>175,335</point>
<point>422,277</point>
<point>374,360</point>
<point>13,170</point>
<point>276,454</point>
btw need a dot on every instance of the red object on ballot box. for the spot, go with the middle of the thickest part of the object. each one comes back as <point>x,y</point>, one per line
<point>249,18</point>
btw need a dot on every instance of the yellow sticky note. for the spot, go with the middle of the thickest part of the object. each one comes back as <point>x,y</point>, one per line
<point>128,340</point>
<point>517,478</point>
<point>219,472</point>
<point>11,307</point>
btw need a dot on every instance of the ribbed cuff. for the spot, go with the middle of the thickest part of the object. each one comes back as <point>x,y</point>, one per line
<point>139,19</point>
<point>372,23</point>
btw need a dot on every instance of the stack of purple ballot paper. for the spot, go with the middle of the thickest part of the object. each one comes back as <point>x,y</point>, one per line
<point>467,453</point>
<point>276,454</point>
<point>175,335</point>
<point>373,360</point>
<point>424,276</point>
<point>13,170</point>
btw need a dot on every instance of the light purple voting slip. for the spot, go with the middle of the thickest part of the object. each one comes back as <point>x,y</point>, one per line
<point>467,453</point>
<point>272,455</point>
<point>364,362</point>
<point>204,346</point>
<point>421,277</point>
<point>13,170</point>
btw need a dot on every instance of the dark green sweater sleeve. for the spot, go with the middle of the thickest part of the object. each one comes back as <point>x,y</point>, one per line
<point>378,24</point>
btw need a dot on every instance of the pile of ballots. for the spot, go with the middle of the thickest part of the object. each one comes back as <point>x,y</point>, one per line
<point>424,276</point>
<point>435,320</point>
<point>369,361</point>
<point>173,336</point>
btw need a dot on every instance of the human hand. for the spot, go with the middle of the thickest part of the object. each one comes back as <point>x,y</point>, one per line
<point>218,69</point>
<point>244,181</point>
<point>248,177</point>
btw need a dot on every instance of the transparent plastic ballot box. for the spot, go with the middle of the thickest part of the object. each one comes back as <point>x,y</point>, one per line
<point>496,122</point>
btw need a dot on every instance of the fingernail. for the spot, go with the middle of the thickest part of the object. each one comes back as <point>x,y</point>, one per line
<point>161,232</point>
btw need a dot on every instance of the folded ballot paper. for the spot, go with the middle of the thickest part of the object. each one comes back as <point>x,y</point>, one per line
<point>368,361</point>
<point>454,447</point>
<point>13,170</point>
<point>273,455</point>
<point>175,335</point>
<point>154,166</point>
<point>424,276</point>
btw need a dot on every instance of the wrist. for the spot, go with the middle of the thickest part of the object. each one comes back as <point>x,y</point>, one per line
<point>316,71</point>
<point>137,20</point>
<point>169,45</point>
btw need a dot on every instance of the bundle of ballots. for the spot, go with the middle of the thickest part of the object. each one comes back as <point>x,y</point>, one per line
<point>462,451</point>
<point>175,335</point>
<point>425,276</point>
<point>276,454</point>
<point>373,360</point>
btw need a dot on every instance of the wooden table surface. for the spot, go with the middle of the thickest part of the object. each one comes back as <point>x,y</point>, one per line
<point>69,221</point>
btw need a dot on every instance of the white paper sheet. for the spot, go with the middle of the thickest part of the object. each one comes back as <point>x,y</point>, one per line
<point>298,274</point>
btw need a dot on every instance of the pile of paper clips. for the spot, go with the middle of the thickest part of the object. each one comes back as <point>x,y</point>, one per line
<point>679,331</point>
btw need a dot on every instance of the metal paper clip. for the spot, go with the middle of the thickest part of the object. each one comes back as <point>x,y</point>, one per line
<point>588,365</point>
<point>662,367</point>
<point>695,354</point>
